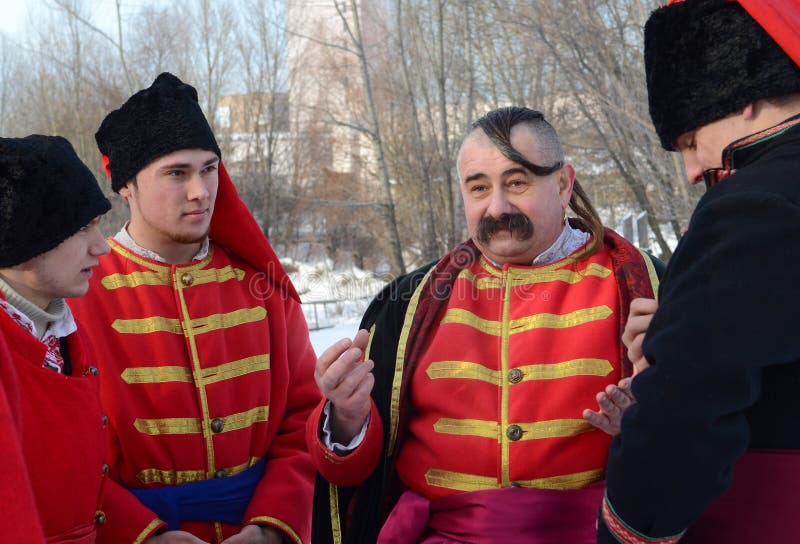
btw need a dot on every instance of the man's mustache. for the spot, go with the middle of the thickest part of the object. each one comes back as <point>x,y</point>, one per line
<point>517,224</point>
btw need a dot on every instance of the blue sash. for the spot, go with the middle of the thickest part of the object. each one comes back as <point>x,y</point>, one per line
<point>220,499</point>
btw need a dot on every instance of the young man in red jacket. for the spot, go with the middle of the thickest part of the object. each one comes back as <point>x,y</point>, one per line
<point>53,445</point>
<point>208,367</point>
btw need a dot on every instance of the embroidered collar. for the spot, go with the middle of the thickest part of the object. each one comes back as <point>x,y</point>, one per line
<point>713,176</point>
<point>124,239</point>
<point>567,242</point>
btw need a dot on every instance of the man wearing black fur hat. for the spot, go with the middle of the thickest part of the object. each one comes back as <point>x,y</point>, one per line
<point>208,364</point>
<point>53,445</point>
<point>712,451</point>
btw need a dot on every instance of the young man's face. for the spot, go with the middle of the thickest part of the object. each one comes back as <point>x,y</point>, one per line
<point>494,188</point>
<point>702,148</point>
<point>172,200</point>
<point>62,272</point>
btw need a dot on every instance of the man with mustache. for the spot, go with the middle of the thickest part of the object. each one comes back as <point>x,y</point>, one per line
<point>459,412</point>
<point>206,361</point>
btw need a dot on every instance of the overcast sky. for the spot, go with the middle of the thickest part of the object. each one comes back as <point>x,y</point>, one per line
<point>15,21</point>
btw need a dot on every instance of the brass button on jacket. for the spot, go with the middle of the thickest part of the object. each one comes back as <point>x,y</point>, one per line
<point>100,517</point>
<point>217,425</point>
<point>220,473</point>
<point>187,279</point>
<point>515,375</point>
<point>91,370</point>
<point>514,432</point>
<point>104,469</point>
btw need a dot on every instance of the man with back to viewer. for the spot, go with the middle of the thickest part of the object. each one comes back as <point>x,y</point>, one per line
<point>207,372</point>
<point>483,365</point>
<point>711,453</point>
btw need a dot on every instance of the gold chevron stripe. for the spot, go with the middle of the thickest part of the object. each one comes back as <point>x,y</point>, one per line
<point>192,425</point>
<point>526,276</point>
<point>463,370</point>
<point>162,277</point>
<point>562,321</point>
<point>576,480</point>
<point>468,427</point>
<point>227,371</point>
<point>177,477</point>
<point>536,321</point>
<point>171,425</point>
<point>170,477</point>
<point>134,279</point>
<point>480,283</point>
<point>242,420</point>
<point>234,369</point>
<point>199,326</point>
<point>465,317</point>
<point>530,276</point>
<point>147,325</point>
<point>546,371</point>
<point>554,428</point>
<point>156,374</point>
<point>217,275</point>
<point>225,321</point>
<point>567,369</point>
<point>461,481</point>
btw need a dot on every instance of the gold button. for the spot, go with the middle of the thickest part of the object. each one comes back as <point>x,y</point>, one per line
<point>514,432</point>
<point>217,425</point>
<point>515,375</point>
<point>187,279</point>
<point>104,469</point>
<point>100,517</point>
<point>104,420</point>
<point>220,473</point>
<point>91,370</point>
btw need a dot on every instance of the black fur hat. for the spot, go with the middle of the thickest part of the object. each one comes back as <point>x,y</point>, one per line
<point>154,122</point>
<point>46,195</point>
<point>706,59</point>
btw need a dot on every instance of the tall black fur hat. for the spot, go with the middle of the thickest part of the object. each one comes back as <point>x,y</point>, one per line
<point>46,195</point>
<point>154,122</point>
<point>706,59</point>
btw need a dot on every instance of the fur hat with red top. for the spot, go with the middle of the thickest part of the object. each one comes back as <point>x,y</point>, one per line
<point>707,59</point>
<point>47,194</point>
<point>164,118</point>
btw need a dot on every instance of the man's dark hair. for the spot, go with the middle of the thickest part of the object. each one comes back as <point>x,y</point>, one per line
<point>497,125</point>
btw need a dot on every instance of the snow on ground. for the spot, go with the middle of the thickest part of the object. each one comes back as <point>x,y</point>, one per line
<point>322,339</point>
<point>333,300</point>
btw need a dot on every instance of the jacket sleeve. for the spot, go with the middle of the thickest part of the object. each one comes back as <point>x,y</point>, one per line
<point>283,499</point>
<point>728,295</point>
<point>356,466</point>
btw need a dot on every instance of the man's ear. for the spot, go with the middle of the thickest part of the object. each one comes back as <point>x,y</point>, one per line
<point>566,181</point>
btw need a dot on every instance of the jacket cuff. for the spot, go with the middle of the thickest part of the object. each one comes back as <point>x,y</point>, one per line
<point>625,534</point>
